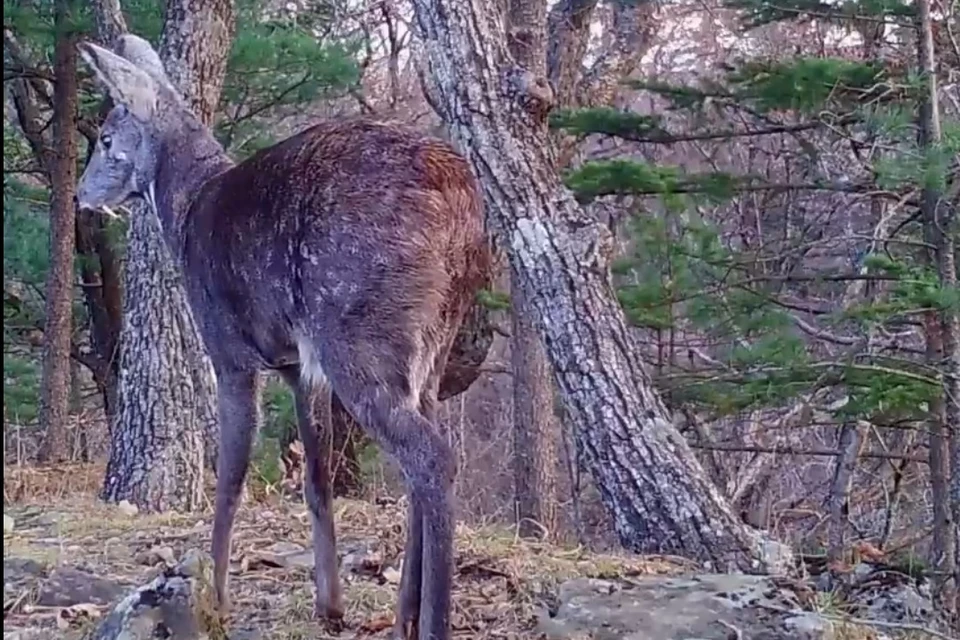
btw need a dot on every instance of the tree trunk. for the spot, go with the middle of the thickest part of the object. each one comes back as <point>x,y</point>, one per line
<point>942,333</point>
<point>166,414</point>
<point>103,294</point>
<point>157,445</point>
<point>850,442</point>
<point>535,427</point>
<point>658,495</point>
<point>58,324</point>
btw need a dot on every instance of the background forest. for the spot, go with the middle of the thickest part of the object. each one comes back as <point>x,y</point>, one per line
<point>779,181</point>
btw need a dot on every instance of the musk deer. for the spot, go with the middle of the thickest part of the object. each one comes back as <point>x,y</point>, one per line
<point>345,258</point>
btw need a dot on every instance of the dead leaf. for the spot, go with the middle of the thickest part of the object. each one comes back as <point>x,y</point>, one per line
<point>376,625</point>
<point>868,552</point>
<point>75,614</point>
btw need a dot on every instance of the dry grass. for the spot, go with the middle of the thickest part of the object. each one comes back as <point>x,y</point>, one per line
<point>501,579</point>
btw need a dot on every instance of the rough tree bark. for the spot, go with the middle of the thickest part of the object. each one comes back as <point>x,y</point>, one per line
<point>535,426</point>
<point>562,57</point>
<point>166,414</point>
<point>58,323</point>
<point>850,443</point>
<point>943,337</point>
<point>657,493</point>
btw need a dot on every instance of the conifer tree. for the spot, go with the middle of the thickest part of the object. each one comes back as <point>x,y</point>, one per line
<point>682,275</point>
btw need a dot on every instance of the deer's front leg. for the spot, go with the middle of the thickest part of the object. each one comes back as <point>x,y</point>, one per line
<point>239,399</point>
<point>314,423</point>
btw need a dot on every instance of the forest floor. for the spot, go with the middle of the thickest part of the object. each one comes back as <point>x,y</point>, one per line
<point>69,556</point>
<point>501,580</point>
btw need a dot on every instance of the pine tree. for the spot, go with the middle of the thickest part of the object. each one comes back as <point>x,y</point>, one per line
<point>681,275</point>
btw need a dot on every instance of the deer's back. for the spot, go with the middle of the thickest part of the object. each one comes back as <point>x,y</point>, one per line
<point>350,221</point>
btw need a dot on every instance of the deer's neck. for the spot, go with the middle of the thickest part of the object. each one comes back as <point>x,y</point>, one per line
<point>189,157</point>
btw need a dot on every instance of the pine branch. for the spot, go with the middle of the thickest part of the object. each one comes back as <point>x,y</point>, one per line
<point>665,138</point>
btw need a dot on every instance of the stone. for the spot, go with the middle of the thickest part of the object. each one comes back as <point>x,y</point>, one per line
<point>156,555</point>
<point>391,575</point>
<point>360,557</point>
<point>127,508</point>
<point>281,554</point>
<point>66,587</point>
<point>179,603</point>
<point>8,524</point>
<point>705,607</point>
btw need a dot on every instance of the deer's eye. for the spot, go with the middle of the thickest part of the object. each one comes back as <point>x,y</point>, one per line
<point>106,140</point>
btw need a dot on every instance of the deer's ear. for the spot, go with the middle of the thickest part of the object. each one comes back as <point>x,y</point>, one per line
<point>143,56</point>
<point>126,84</point>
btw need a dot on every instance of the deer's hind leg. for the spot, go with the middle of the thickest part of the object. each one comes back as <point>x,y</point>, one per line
<point>378,393</point>
<point>314,425</point>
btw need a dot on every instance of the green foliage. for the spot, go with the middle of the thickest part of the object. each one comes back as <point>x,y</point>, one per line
<point>609,177</point>
<point>916,288</point>
<point>25,232</point>
<point>275,66</point>
<point>629,177</point>
<point>279,426</point>
<point>21,385</point>
<point>607,120</point>
<point>805,85</point>
<point>493,300</point>
<point>680,274</point>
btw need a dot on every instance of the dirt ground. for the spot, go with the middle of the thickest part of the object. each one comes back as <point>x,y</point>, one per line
<point>61,531</point>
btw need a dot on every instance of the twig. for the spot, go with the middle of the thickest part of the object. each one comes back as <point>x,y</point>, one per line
<point>805,452</point>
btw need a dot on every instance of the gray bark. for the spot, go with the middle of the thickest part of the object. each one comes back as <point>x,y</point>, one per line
<point>166,418</point>
<point>658,496</point>
<point>851,440</point>
<point>535,427</point>
<point>58,320</point>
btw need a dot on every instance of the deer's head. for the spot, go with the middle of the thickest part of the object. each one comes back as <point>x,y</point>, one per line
<point>124,161</point>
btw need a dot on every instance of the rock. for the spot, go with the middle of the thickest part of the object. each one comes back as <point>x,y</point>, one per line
<point>156,555</point>
<point>19,575</point>
<point>127,508</point>
<point>16,569</point>
<point>47,519</point>
<point>7,524</point>
<point>32,634</point>
<point>66,587</point>
<point>360,557</point>
<point>706,607</point>
<point>902,603</point>
<point>391,575</point>
<point>808,623</point>
<point>279,555</point>
<point>180,603</point>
